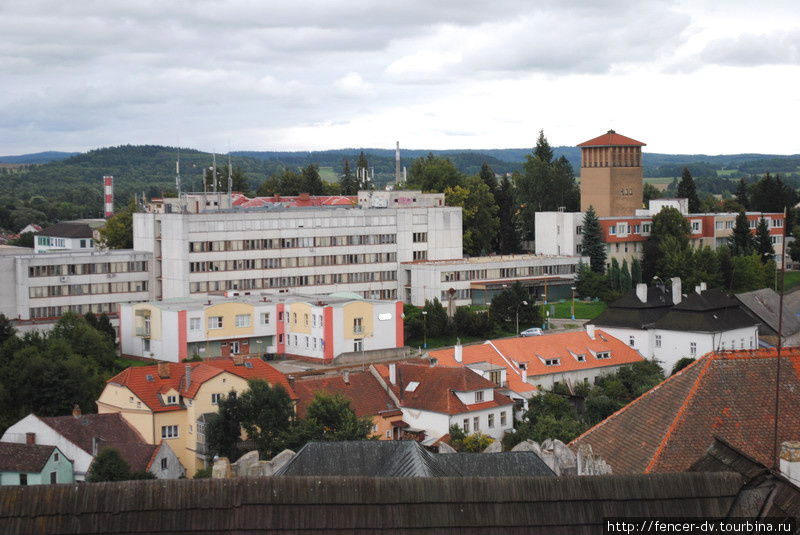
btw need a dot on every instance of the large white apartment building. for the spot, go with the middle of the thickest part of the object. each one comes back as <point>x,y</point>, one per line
<point>37,288</point>
<point>319,249</point>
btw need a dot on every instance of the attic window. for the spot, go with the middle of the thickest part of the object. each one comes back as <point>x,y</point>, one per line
<point>150,379</point>
<point>552,362</point>
<point>248,364</point>
<point>580,358</point>
<point>412,386</point>
<point>603,355</point>
<point>172,400</point>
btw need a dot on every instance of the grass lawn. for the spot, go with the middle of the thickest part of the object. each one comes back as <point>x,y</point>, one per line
<point>583,310</point>
<point>659,180</point>
<point>791,279</point>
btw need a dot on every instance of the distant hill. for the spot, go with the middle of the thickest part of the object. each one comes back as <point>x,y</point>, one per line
<point>37,157</point>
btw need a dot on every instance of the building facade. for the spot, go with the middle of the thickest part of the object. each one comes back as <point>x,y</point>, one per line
<point>38,288</point>
<point>33,464</point>
<point>319,327</point>
<point>320,249</point>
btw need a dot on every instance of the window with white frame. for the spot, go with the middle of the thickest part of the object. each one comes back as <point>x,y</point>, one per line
<point>491,421</point>
<point>194,324</point>
<point>478,396</point>
<point>215,398</point>
<point>777,223</point>
<point>693,348</point>
<point>632,341</point>
<point>215,322</point>
<point>172,400</point>
<point>476,424</point>
<point>358,344</point>
<point>552,362</point>
<point>603,355</point>
<point>265,318</point>
<point>466,425</point>
<point>169,431</point>
<point>358,326</point>
<point>695,226</point>
<point>164,463</point>
<point>612,230</point>
<point>503,419</point>
<point>658,340</point>
<point>243,320</point>
<point>646,228</point>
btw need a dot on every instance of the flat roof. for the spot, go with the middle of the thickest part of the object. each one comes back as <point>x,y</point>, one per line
<point>492,259</point>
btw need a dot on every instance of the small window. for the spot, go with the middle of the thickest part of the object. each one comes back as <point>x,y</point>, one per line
<point>242,320</point>
<point>215,398</point>
<point>169,431</point>
<point>53,478</point>
<point>491,421</point>
<point>164,463</point>
<point>23,479</point>
<point>603,355</point>
<point>552,362</point>
<point>55,457</point>
<point>172,400</point>
<point>388,433</point>
<point>215,322</point>
<point>581,358</point>
<point>632,341</point>
<point>265,318</point>
<point>693,348</point>
<point>503,419</point>
<point>658,340</point>
<point>476,424</point>
<point>466,425</point>
<point>194,324</point>
<point>479,396</point>
<point>412,386</point>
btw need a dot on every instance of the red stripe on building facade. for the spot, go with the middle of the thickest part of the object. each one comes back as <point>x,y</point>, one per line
<point>327,319</point>
<point>399,325</point>
<point>182,350</point>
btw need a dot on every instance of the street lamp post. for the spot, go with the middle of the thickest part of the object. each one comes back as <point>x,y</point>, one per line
<point>424,329</point>
<point>573,302</point>
<point>523,302</point>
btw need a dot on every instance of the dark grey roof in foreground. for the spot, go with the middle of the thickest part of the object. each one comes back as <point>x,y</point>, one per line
<point>68,230</point>
<point>406,458</point>
<point>764,305</point>
<point>361,505</point>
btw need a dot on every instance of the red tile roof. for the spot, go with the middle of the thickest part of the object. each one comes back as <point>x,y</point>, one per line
<point>534,350</point>
<point>729,395</point>
<point>83,430</point>
<point>611,138</point>
<point>24,457</point>
<point>148,390</point>
<point>437,387</point>
<point>367,397</point>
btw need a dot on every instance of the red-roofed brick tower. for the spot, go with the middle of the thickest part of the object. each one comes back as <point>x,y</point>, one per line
<point>611,175</point>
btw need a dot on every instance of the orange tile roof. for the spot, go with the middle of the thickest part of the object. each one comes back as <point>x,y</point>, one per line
<point>509,352</point>
<point>728,395</point>
<point>437,386</point>
<point>367,397</point>
<point>136,379</point>
<point>611,138</point>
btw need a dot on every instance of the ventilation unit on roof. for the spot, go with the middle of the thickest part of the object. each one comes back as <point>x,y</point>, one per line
<point>150,379</point>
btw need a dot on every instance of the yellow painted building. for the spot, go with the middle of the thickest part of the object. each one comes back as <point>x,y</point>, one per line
<point>170,401</point>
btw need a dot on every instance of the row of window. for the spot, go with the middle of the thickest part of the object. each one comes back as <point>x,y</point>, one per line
<point>49,241</point>
<point>65,290</point>
<point>53,312</point>
<point>299,280</point>
<point>135,266</point>
<point>291,262</point>
<point>490,422</point>
<point>510,272</point>
<point>291,243</point>
<point>693,345</point>
<point>623,229</point>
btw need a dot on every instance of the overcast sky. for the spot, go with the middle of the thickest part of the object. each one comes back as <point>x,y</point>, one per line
<point>684,77</point>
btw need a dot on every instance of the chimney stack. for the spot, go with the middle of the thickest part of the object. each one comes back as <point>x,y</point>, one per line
<point>790,461</point>
<point>30,438</point>
<point>590,330</point>
<point>188,369</point>
<point>393,373</point>
<point>76,411</point>
<point>458,351</point>
<point>163,370</point>
<point>676,290</point>
<point>238,359</point>
<point>641,292</point>
<point>108,196</point>
<point>397,164</point>
<point>524,369</point>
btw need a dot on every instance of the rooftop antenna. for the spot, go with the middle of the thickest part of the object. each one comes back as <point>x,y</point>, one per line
<point>397,164</point>
<point>214,177</point>
<point>178,180</point>
<point>230,182</point>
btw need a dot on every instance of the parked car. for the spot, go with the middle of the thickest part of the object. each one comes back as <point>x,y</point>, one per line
<point>533,331</point>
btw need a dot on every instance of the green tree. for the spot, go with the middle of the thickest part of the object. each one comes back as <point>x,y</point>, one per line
<point>348,183</point>
<point>266,416</point>
<point>7,329</point>
<point>636,271</point>
<point>239,181</point>
<point>589,283</point>
<point>312,182</point>
<point>742,194</point>
<point>668,241</point>
<point>108,465</point>
<point>117,233</point>
<point>681,364</point>
<point>741,241</point>
<point>687,189</point>
<point>592,241</point>
<point>794,248</point>
<point>224,429</point>
<point>479,215</point>
<point>763,241</point>
<point>488,177</point>
<point>614,275</point>
<point>330,418</point>
<point>86,341</point>
<point>435,319</point>
<point>504,307</point>
<point>548,416</point>
<point>25,240</point>
<point>433,174</point>
<point>749,273</point>
<point>625,280</point>
<point>649,192</point>
<point>508,233</point>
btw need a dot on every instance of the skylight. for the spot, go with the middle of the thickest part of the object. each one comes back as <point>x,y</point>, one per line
<point>410,387</point>
<point>149,378</point>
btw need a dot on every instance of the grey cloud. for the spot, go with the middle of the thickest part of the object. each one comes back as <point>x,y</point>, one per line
<point>780,48</point>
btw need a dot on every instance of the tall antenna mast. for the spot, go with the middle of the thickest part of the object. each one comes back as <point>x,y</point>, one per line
<point>230,182</point>
<point>178,181</point>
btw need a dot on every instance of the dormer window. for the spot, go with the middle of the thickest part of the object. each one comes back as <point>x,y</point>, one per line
<point>410,387</point>
<point>172,400</point>
<point>552,362</point>
<point>479,396</point>
<point>580,358</point>
<point>603,355</point>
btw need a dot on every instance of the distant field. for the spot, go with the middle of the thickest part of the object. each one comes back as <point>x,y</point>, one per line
<point>726,172</point>
<point>791,280</point>
<point>327,174</point>
<point>583,310</point>
<point>659,180</point>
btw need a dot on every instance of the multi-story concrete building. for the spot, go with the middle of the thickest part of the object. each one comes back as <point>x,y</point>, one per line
<point>319,249</point>
<point>319,327</point>
<point>477,280</point>
<point>37,288</point>
<point>624,236</point>
<point>68,236</point>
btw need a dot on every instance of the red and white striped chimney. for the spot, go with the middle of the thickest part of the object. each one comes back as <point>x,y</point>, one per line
<point>108,196</point>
